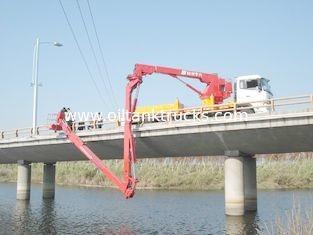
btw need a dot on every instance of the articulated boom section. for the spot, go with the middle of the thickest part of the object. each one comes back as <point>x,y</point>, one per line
<point>127,187</point>
<point>217,87</point>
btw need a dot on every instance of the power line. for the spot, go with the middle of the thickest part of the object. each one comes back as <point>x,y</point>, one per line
<point>91,47</point>
<point>81,53</point>
<point>101,52</point>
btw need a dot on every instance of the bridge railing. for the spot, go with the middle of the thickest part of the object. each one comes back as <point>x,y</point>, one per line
<point>272,106</point>
<point>94,125</point>
<point>45,130</point>
<point>302,103</point>
<point>23,132</point>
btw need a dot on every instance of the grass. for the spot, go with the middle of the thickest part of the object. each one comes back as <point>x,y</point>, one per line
<point>183,173</point>
<point>286,174</point>
<point>293,222</point>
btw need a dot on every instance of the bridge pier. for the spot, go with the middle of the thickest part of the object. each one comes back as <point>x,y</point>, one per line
<point>23,180</point>
<point>240,183</point>
<point>250,183</point>
<point>48,187</point>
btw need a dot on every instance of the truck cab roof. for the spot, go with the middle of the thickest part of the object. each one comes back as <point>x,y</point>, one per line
<point>249,77</point>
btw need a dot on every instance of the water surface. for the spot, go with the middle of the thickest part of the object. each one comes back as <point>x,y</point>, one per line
<point>79,210</point>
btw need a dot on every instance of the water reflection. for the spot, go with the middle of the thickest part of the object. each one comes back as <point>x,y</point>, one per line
<point>237,225</point>
<point>47,217</point>
<point>120,231</point>
<point>21,216</point>
<point>26,219</point>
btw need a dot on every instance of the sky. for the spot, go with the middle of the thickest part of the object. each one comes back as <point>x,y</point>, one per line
<point>231,38</point>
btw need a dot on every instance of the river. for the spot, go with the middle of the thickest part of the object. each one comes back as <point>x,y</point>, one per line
<point>82,210</point>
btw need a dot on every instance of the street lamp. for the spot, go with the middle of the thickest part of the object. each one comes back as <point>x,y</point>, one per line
<point>35,82</point>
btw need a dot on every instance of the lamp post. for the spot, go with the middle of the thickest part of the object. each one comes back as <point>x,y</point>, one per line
<point>35,82</point>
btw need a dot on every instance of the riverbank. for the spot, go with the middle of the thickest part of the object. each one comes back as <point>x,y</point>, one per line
<point>183,173</point>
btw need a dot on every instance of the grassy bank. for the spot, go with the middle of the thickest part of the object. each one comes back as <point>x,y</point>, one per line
<point>296,221</point>
<point>186,174</point>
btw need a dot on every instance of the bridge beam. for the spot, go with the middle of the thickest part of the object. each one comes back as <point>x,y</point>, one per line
<point>240,183</point>
<point>23,180</point>
<point>48,187</point>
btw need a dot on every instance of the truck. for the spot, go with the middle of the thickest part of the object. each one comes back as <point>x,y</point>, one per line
<point>249,92</point>
<point>246,89</point>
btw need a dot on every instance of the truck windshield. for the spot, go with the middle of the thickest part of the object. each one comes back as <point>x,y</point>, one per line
<point>265,85</point>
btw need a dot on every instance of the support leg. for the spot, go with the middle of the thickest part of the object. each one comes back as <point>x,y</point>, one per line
<point>23,180</point>
<point>240,183</point>
<point>234,186</point>
<point>48,181</point>
<point>250,183</point>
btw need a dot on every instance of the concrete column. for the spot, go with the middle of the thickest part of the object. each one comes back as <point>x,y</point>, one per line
<point>250,184</point>
<point>234,186</point>
<point>23,180</point>
<point>240,183</point>
<point>48,181</point>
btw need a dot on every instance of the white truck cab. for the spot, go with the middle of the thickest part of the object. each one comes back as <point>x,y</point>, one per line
<point>251,88</point>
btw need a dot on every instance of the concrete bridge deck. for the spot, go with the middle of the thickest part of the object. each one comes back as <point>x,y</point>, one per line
<point>277,133</point>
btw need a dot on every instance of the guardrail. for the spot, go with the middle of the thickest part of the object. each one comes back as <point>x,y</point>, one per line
<point>45,130</point>
<point>273,106</point>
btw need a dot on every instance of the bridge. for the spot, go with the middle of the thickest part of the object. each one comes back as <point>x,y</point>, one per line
<point>287,127</point>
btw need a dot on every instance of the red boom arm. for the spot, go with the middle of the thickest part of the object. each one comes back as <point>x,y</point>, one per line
<point>127,187</point>
<point>218,87</point>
